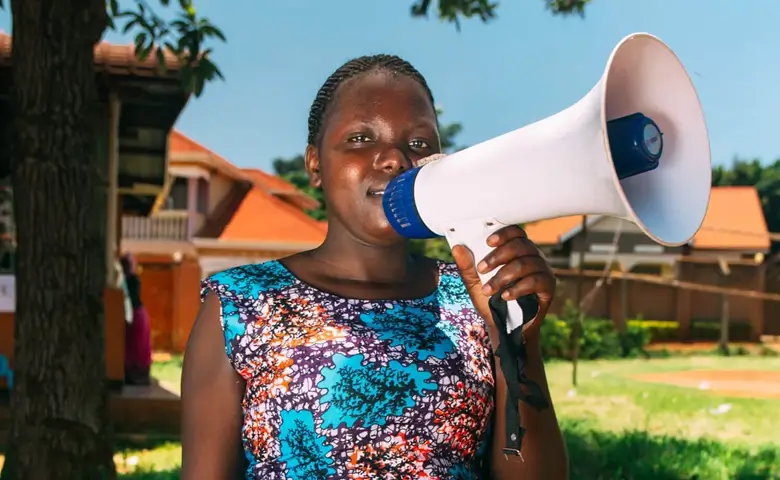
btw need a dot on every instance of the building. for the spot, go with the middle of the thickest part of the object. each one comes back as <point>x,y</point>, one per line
<point>211,216</point>
<point>734,228</point>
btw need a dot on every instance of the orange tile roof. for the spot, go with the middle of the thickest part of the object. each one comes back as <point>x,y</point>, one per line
<point>180,145</point>
<point>114,59</point>
<point>271,183</point>
<point>281,188</point>
<point>265,214</point>
<point>263,217</point>
<point>549,232</point>
<point>731,209</point>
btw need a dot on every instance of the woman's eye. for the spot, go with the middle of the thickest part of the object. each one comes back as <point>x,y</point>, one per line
<point>359,139</point>
<point>419,144</point>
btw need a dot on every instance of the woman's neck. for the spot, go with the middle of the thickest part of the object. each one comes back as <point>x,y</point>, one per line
<point>354,260</point>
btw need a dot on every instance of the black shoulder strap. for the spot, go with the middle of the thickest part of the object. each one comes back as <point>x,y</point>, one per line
<point>512,352</point>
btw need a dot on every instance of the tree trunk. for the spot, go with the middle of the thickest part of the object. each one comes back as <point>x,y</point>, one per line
<point>59,406</point>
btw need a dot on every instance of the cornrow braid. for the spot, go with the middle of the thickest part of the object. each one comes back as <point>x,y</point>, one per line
<point>354,68</point>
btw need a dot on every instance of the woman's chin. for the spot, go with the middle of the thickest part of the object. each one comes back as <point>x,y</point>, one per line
<point>384,234</point>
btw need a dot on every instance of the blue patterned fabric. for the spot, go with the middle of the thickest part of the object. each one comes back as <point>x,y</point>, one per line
<point>341,388</point>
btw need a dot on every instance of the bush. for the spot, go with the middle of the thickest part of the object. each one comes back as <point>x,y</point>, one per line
<point>555,337</point>
<point>659,330</point>
<point>709,330</point>
<point>595,454</point>
<point>599,339</point>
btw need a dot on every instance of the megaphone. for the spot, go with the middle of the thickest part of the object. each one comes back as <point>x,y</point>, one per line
<point>635,147</point>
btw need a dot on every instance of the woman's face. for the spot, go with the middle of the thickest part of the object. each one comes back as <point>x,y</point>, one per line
<point>378,126</point>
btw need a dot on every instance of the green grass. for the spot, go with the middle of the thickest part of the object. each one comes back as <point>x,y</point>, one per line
<point>615,426</point>
<point>609,399</point>
<point>168,371</point>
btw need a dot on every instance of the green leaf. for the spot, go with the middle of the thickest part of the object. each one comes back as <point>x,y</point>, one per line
<point>185,36</point>
<point>113,8</point>
<point>161,59</point>
<point>140,40</point>
<point>130,25</point>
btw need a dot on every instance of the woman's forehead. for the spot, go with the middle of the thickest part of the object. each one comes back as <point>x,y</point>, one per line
<point>382,93</point>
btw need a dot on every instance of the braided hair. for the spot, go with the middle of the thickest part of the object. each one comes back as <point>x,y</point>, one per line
<point>352,69</point>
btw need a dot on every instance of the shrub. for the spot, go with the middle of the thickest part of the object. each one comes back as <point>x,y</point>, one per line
<point>709,330</point>
<point>595,454</point>
<point>555,336</point>
<point>659,330</point>
<point>599,339</point>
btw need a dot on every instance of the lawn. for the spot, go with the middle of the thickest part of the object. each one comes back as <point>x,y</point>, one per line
<point>616,426</point>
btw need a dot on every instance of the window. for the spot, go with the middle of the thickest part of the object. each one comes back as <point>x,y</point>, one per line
<point>177,198</point>
<point>203,196</point>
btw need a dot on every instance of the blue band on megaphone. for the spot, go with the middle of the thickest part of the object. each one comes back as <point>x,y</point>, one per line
<point>401,209</point>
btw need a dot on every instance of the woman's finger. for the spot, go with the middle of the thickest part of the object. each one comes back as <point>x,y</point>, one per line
<point>515,271</point>
<point>512,249</point>
<point>504,235</point>
<point>542,284</point>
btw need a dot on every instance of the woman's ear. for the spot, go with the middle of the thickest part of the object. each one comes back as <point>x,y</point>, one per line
<point>311,160</point>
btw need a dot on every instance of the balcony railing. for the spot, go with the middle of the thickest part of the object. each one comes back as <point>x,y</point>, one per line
<point>165,225</point>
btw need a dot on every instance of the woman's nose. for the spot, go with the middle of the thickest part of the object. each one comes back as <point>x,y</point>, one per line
<point>394,160</point>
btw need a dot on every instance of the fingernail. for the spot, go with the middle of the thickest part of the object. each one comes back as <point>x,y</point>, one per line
<point>492,239</point>
<point>486,289</point>
<point>505,295</point>
<point>482,267</point>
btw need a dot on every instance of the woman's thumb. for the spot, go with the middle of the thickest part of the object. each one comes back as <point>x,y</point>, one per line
<point>464,259</point>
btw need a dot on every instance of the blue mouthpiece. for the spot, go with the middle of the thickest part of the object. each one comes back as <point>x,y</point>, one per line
<point>636,143</point>
<point>400,208</point>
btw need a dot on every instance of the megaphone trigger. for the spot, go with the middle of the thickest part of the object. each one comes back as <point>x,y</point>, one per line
<point>473,234</point>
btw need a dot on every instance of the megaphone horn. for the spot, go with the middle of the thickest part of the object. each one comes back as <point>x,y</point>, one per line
<point>635,147</point>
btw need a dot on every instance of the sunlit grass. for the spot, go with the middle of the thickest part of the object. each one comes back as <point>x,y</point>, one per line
<point>616,426</point>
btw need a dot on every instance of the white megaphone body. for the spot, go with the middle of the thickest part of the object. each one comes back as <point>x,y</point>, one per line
<point>635,147</point>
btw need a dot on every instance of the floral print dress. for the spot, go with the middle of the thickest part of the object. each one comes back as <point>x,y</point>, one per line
<point>339,388</point>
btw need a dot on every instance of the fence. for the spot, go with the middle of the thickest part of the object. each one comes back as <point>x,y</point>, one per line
<point>694,295</point>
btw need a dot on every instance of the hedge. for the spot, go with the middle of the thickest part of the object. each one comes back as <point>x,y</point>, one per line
<point>600,338</point>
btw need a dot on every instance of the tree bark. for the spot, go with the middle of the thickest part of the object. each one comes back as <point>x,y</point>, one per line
<point>59,405</point>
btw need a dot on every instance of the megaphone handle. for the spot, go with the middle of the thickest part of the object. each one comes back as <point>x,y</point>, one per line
<point>474,234</point>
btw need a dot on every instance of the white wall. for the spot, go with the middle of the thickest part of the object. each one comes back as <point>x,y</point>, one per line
<point>213,264</point>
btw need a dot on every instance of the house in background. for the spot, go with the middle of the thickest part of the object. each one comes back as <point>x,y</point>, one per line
<point>221,214</point>
<point>734,228</point>
<point>211,216</point>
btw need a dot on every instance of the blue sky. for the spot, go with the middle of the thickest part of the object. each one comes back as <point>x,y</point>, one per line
<point>493,78</point>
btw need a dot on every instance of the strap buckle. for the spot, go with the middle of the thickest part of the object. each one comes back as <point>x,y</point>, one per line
<point>514,453</point>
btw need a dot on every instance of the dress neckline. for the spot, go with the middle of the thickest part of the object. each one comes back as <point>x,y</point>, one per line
<point>423,299</point>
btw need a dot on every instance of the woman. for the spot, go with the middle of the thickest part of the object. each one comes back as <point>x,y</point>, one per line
<point>138,342</point>
<point>356,359</point>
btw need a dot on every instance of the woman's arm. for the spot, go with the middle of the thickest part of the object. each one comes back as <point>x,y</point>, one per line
<point>543,449</point>
<point>211,393</point>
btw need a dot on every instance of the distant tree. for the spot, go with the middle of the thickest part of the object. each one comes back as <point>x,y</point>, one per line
<point>453,10</point>
<point>293,170</point>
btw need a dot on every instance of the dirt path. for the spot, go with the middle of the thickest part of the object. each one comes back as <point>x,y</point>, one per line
<point>735,383</point>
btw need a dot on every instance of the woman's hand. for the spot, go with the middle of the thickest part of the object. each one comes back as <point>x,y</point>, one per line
<point>521,271</point>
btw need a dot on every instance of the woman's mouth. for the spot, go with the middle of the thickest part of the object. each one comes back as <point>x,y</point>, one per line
<point>376,193</point>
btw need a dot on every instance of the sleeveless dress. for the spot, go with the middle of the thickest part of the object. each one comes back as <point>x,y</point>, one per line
<point>340,388</point>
